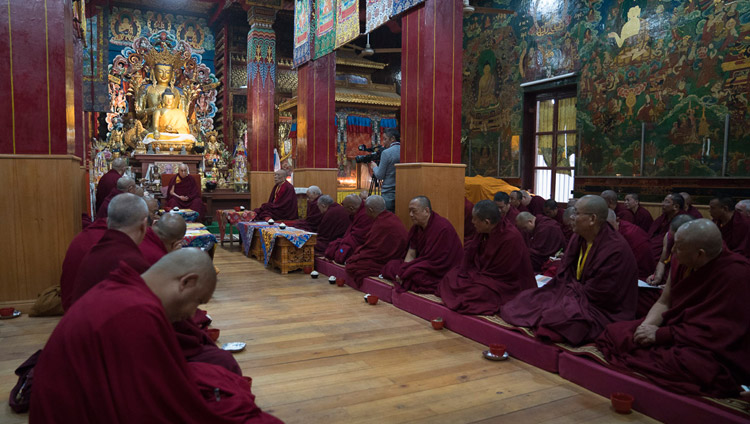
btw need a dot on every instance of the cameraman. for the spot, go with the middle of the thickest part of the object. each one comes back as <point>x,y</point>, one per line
<point>386,170</point>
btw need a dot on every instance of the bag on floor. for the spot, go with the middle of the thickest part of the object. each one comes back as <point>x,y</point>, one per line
<point>48,303</point>
<point>20,395</point>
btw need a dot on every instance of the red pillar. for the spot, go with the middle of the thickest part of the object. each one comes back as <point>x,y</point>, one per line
<point>431,63</point>
<point>316,132</point>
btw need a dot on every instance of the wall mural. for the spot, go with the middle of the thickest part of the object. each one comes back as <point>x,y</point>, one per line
<point>673,69</point>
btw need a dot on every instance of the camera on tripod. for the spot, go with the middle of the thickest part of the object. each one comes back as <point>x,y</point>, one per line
<point>373,156</point>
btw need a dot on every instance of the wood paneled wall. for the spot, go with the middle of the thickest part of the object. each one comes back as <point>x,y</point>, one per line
<point>321,177</point>
<point>261,183</point>
<point>41,214</point>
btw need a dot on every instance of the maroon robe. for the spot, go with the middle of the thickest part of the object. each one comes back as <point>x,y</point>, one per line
<point>622,212</point>
<point>77,250</point>
<point>511,215</point>
<point>536,205</point>
<point>186,187</point>
<point>438,250</point>
<point>152,248</point>
<point>566,309</point>
<point>114,358</point>
<point>640,245</point>
<point>333,226</point>
<point>495,268</point>
<point>694,212</point>
<point>106,184</point>
<point>546,240</point>
<point>736,234</point>
<point>642,218</point>
<point>102,211</point>
<point>340,250</point>
<point>701,347</point>
<point>281,205</point>
<point>386,240</point>
<point>656,233</point>
<point>469,230</point>
<point>312,219</point>
<point>105,257</point>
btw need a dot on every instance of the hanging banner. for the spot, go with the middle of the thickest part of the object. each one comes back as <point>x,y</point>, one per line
<point>347,21</point>
<point>325,27</point>
<point>301,32</point>
<point>403,5</point>
<point>378,13</point>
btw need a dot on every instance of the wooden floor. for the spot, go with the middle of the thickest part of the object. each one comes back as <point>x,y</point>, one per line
<point>317,353</point>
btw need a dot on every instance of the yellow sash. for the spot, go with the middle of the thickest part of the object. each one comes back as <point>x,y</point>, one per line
<point>582,260</point>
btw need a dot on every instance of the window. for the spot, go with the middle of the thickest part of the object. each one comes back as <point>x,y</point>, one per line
<point>555,142</point>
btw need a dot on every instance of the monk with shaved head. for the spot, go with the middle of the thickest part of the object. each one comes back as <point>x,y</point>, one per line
<point>596,283</point>
<point>114,356</point>
<point>694,339</point>
<point>544,237</point>
<point>734,226</point>
<point>282,202</point>
<point>124,185</point>
<point>333,224</point>
<point>108,181</point>
<point>621,211</point>
<point>163,237</point>
<point>313,215</point>
<point>386,240</point>
<point>689,208</point>
<point>339,250</point>
<point>641,217</point>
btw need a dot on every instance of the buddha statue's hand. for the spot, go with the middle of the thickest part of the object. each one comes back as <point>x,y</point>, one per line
<point>157,135</point>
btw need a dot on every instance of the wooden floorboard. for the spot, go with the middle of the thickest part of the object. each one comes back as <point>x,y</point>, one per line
<point>318,353</point>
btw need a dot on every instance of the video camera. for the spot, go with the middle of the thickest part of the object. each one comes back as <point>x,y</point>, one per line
<point>373,156</point>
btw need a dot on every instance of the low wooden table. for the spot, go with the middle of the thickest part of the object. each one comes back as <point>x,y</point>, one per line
<point>287,257</point>
<point>224,198</point>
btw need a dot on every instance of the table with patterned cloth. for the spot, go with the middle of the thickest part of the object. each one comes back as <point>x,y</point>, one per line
<point>188,214</point>
<point>198,236</point>
<point>247,236</point>
<point>286,249</point>
<point>231,217</point>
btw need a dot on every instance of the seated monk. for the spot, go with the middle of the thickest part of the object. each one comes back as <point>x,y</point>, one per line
<point>743,207</point>
<point>734,226</point>
<point>533,204</point>
<point>184,192</point>
<point>333,225</point>
<point>505,206</point>
<point>567,224</point>
<point>114,356</point>
<point>689,208</point>
<point>313,217</point>
<point>127,222</point>
<point>153,210</point>
<point>596,284</point>
<point>77,250</point>
<point>124,185</point>
<point>641,216</point>
<point>434,248</point>
<point>639,244</point>
<point>621,211</point>
<point>108,181</point>
<point>282,203</point>
<point>469,229</point>
<point>164,236</point>
<point>694,339</point>
<point>495,267</point>
<point>340,250</point>
<point>672,206</point>
<point>552,211</point>
<point>386,240</point>
<point>545,238</point>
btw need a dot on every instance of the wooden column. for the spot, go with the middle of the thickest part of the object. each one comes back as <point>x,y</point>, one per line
<point>431,60</point>
<point>261,91</point>
<point>316,129</point>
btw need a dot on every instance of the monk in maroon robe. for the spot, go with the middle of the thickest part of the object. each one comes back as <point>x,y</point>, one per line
<point>282,203</point>
<point>495,266</point>
<point>596,283</point>
<point>672,206</point>
<point>534,204</point>
<point>184,192</point>
<point>434,249</point>
<point>621,211</point>
<point>361,223</point>
<point>552,211</point>
<point>124,185</point>
<point>108,181</point>
<point>114,356</point>
<point>567,224</point>
<point>77,250</point>
<point>333,225</point>
<point>734,226</point>
<point>127,223</point>
<point>545,238</point>
<point>504,204</point>
<point>639,244</point>
<point>641,216</point>
<point>689,208</point>
<point>313,216</point>
<point>694,339</point>
<point>163,237</point>
<point>469,230</point>
<point>386,240</point>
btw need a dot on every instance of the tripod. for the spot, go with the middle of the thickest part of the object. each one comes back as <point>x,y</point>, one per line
<point>375,186</point>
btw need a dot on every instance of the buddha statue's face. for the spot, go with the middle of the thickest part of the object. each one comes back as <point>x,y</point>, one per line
<point>163,74</point>
<point>168,101</point>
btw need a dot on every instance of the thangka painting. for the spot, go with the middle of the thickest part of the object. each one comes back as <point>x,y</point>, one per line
<point>125,25</point>
<point>378,13</point>
<point>95,94</point>
<point>301,32</point>
<point>325,27</point>
<point>347,21</point>
<point>400,6</point>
